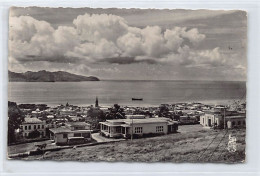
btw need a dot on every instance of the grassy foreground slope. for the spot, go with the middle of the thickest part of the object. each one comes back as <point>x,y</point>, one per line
<point>179,147</point>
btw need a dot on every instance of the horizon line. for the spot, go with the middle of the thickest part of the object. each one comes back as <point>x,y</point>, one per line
<point>169,80</point>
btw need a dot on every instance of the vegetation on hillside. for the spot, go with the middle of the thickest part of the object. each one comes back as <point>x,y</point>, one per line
<point>178,147</point>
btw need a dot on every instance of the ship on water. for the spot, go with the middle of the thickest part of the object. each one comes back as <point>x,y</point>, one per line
<point>137,99</point>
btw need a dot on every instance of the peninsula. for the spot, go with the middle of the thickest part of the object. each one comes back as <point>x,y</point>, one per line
<point>46,76</point>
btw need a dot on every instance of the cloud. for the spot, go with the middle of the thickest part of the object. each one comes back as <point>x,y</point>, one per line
<point>210,57</point>
<point>107,38</point>
<point>96,27</point>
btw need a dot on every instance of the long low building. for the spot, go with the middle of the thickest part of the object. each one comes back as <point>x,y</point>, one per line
<point>216,119</point>
<point>236,121</point>
<point>137,127</point>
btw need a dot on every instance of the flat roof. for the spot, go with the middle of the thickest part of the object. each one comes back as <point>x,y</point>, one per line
<point>77,123</point>
<point>31,120</point>
<point>116,122</point>
<point>60,130</point>
<point>235,117</point>
<point>111,124</point>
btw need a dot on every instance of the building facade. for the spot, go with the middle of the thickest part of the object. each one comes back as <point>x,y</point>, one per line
<point>33,124</point>
<point>211,119</point>
<point>236,121</point>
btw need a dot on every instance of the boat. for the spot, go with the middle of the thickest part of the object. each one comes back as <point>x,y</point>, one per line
<point>137,99</point>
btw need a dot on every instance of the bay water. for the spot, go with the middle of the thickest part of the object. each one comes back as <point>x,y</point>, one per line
<point>153,93</point>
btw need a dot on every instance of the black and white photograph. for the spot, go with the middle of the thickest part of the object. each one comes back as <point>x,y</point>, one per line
<point>127,85</point>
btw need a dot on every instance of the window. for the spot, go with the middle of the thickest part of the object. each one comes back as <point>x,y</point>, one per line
<point>29,127</point>
<point>118,129</point>
<point>86,135</point>
<point>42,126</point>
<point>159,129</point>
<point>233,123</point>
<point>25,127</point>
<point>65,135</point>
<point>39,126</point>
<point>35,127</point>
<point>77,134</point>
<point>239,122</point>
<point>244,122</point>
<point>138,130</point>
<point>25,134</point>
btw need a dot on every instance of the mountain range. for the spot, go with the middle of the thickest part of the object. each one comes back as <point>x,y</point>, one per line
<point>46,76</point>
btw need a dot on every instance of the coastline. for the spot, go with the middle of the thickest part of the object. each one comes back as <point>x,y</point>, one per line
<point>206,102</point>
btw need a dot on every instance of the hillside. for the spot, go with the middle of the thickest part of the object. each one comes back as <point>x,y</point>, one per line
<point>187,145</point>
<point>46,76</point>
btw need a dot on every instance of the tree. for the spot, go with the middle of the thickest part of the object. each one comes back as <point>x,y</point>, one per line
<point>163,111</point>
<point>95,116</point>
<point>15,119</point>
<point>116,113</point>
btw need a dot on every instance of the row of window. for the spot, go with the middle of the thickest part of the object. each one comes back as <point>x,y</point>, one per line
<point>27,134</point>
<point>159,129</point>
<point>30,127</point>
<point>139,130</point>
<point>238,123</point>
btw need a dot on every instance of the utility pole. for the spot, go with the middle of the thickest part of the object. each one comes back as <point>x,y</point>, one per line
<point>132,129</point>
<point>224,118</point>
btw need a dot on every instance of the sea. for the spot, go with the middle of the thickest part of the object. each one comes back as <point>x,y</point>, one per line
<point>111,92</point>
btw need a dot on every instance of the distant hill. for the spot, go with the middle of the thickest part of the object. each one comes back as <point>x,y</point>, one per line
<point>46,76</point>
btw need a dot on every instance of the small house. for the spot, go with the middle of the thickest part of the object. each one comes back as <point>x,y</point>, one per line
<point>71,133</point>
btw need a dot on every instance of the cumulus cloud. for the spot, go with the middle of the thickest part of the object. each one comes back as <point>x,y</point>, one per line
<point>95,27</point>
<point>106,38</point>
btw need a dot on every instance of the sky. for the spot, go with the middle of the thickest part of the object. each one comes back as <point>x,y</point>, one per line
<point>130,44</point>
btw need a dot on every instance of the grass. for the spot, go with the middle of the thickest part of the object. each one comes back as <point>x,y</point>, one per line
<point>178,147</point>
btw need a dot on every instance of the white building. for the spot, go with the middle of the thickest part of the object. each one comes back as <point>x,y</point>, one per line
<point>216,119</point>
<point>32,124</point>
<point>137,127</point>
<point>211,118</point>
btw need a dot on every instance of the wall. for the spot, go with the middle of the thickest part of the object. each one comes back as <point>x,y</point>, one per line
<point>27,131</point>
<point>150,127</point>
<point>58,138</point>
<point>204,119</point>
<point>234,122</point>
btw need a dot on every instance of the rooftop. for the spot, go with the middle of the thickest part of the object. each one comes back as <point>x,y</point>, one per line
<point>130,121</point>
<point>77,123</point>
<point>60,130</point>
<point>31,120</point>
<point>235,117</point>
